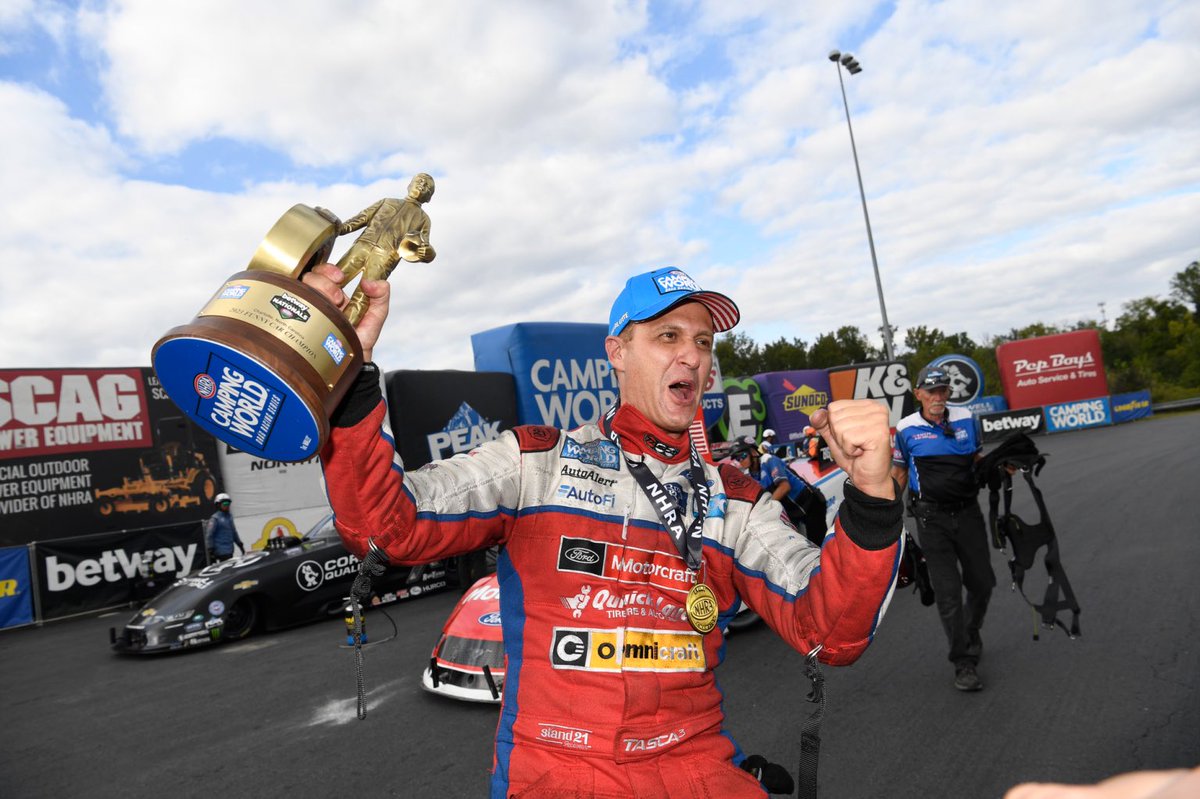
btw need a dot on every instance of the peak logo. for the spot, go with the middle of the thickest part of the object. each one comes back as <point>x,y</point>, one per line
<point>465,431</point>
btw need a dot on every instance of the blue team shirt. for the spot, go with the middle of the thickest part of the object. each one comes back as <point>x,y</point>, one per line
<point>940,461</point>
<point>772,470</point>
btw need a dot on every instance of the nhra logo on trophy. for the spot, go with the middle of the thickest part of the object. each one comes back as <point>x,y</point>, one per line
<point>268,359</point>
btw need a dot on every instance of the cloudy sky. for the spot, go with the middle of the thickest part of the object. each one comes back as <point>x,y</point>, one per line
<point>1022,162</point>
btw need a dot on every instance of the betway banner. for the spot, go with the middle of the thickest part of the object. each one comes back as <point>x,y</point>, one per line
<point>437,414</point>
<point>886,381</point>
<point>1078,415</point>
<point>792,397</point>
<point>1127,407</point>
<point>999,425</point>
<point>84,451</point>
<point>562,374</point>
<point>1051,369</point>
<point>78,575</point>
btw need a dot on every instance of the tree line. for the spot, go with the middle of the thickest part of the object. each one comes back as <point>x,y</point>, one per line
<point>1154,344</point>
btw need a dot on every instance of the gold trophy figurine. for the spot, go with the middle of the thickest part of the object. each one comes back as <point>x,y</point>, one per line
<point>268,359</point>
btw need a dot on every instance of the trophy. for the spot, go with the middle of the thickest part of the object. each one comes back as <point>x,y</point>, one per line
<point>267,360</point>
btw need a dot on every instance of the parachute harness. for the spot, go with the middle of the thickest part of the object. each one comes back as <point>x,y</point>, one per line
<point>1019,452</point>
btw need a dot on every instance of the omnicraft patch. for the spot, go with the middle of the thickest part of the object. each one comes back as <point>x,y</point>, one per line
<point>626,650</point>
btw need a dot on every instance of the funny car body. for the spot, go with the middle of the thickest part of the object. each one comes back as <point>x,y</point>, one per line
<point>293,581</point>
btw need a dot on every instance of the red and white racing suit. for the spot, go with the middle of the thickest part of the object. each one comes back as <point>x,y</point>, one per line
<point>609,692</point>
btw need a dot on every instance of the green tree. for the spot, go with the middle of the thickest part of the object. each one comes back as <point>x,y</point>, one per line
<point>784,356</point>
<point>738,355</point>
<point>1185,287</point>
<point>845,346</point>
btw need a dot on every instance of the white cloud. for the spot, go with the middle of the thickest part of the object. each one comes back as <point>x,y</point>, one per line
<point>1019,166</point>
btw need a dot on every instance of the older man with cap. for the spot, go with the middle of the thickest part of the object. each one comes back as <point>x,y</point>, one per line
<point>936,449</point>
<point>624,554</point>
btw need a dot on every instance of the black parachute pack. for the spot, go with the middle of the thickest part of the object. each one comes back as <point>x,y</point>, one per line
<point>914,571</point>
<point>1019,452</point>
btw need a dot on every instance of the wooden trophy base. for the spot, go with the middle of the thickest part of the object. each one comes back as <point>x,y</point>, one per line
<point>262,366</point>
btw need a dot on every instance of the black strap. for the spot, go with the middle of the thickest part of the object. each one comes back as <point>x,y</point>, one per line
<point>1026,540</point>
<point>688,538</point>
<point>371,566</point>
<point>810,731</point>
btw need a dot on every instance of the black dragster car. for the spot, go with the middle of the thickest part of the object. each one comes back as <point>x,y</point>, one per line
<point>293,581</point>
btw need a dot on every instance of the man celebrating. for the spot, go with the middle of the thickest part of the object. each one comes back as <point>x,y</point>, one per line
<point>937,448</point>
<point>613,694</point>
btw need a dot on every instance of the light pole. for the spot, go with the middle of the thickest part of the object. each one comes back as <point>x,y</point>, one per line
<point>853,67</point>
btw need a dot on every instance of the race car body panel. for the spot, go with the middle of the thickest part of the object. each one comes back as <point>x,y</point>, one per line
<point>291,582</point>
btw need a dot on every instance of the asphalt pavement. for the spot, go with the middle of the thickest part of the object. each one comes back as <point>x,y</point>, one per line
<point>275,715</point>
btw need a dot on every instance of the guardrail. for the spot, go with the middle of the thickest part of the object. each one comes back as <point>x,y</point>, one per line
<point>1176,405</point>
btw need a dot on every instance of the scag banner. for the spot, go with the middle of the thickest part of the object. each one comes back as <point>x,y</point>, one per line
<point>1052,369</point>
<point>792,397</point>
<point>78,575</point>
<point>886,381</point>
<point>1078,415</point>
<point>1134,405</point>
<point>60,411</point>
<point>562,374</point>
<point>16,596</point>
<point>89,451</point>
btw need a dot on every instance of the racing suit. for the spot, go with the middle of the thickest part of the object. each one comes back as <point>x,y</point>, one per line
<point>608,690</point>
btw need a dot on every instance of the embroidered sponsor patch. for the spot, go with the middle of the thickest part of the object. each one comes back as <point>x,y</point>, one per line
<point>626,650</point>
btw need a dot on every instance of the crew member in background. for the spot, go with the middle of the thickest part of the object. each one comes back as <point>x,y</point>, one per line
<point>937,448</point>
<point>768,442</point>
<point>590,707</point>
<point>220,534</point>
<point>804,504</point>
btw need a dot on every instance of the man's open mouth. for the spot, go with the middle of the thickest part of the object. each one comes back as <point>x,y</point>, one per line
<point>683,390</point>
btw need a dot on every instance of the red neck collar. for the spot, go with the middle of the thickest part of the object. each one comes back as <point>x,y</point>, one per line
<point>640,436</point>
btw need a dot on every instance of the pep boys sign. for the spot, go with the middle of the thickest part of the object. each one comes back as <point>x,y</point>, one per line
<point>1051,369</point>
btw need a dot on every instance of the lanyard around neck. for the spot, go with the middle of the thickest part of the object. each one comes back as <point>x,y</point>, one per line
<point>687,538</point>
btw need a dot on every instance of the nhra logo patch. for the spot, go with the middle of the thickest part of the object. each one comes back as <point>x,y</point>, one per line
<point>602,453</point>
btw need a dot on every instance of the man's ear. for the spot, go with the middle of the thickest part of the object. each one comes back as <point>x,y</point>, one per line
<point>614,346</point>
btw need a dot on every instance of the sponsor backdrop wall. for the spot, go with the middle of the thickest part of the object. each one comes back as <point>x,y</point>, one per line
<point>437,414</point>
<point>886,381</point>
<point>95,450</point>
<point>16,593</point>
<point>1051,369</point>
<point>563,377</point>
<point>791,397</point>
<point>78,575</point>
<point>271,499</point>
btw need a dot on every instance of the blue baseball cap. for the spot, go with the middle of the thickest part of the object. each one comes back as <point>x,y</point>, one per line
<point>651,293</point>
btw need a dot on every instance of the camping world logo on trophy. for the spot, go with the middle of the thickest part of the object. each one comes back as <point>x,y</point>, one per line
<point>267,360</point>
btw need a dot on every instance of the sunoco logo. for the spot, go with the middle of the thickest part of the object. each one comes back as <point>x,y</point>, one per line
<point>805,399</point>
<point>290,307</point>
